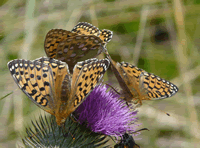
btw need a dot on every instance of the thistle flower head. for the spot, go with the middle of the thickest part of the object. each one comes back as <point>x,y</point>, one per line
<point>105,113</point>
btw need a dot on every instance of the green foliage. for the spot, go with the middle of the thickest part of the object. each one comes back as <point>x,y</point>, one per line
<point>3,2</point>
<point>6,96</point>
<point>125,28</point>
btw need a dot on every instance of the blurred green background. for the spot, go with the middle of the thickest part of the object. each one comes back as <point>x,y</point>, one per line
<point>159,36</point>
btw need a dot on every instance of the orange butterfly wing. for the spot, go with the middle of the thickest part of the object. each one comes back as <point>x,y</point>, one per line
<point>138,85</point>
<point>52,40</point>
<point>35,79</point>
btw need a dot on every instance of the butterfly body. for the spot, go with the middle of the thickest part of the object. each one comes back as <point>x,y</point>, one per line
<point>49,84</point>
<point>138,85</point>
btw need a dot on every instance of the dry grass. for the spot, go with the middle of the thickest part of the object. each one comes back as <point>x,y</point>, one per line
<point>23,27</point>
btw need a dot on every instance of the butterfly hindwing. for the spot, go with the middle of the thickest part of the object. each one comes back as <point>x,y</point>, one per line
<point>35,79</point>
<point>80,47</point>
<point>52,40</point>
<point>73,46</point>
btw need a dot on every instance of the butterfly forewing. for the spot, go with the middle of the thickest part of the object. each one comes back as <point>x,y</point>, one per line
<point>91,73</point>
<point>35,80</point>
<point>52,40</point>
<point>155,87</point>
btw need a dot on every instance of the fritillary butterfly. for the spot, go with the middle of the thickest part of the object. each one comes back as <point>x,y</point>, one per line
<point>83,42</point>
<point>138,85</point>
<point>49,84</point>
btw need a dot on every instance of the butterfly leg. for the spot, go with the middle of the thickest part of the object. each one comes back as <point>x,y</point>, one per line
<point>127,104</point>
<point>66,133</point>
<point>73,117</point>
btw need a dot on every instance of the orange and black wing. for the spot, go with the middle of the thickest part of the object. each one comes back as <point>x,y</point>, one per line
<point>60,70</point>
<point>81,47</point>
<point>154,86</point>
<point>86,76</point>
<point>88,29</point>
<point>106,35</point>
<point>35,79</point>
<point>123,79</point>
<point>85,28</point>
<point>52,40</point>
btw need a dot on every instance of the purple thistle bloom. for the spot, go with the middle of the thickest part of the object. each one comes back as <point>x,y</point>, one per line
<point>105,113</point>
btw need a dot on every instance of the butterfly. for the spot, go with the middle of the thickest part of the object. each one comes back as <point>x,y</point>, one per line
<point>127,142</point>
<point>138,85</point>
<point>48,83</point>
<point>83,42</point>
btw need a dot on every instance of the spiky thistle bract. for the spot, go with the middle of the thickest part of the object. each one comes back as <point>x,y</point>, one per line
<point>46,133</point>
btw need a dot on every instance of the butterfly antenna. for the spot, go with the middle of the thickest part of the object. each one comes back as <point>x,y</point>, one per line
<point>143,129</point>
<point>160,110</point>
<point>112,88</point>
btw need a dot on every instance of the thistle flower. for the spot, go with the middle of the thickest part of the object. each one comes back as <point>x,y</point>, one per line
<point>105,113</point>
